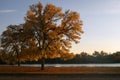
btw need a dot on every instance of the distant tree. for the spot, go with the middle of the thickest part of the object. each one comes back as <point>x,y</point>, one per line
<point>101,57</point>
<point>116,56</point>
<point>82,54</point>
<point>52,30</point>
<point>11,44</point>
<point>76,59</point>
<point>96,54</point>
<point>102,53</point>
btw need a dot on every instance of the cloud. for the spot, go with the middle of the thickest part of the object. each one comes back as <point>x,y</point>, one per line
<point>7,11</point>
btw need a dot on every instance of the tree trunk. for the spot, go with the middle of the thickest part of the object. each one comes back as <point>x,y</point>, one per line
<point>43,63</point>
<point>18,57</point>
<point>18,62</point>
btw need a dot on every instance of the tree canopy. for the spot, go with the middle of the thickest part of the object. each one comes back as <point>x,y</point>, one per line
<point>12,43</point>
<point>53,30</point>
<point>50,32</point>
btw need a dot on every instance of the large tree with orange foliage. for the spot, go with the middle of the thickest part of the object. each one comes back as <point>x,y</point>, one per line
<point>52,30</point>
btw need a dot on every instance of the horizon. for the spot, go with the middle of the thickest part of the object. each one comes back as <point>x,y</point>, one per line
<point>100,21</point>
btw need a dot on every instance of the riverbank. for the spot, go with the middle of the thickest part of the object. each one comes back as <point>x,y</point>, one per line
<point>58,70</point>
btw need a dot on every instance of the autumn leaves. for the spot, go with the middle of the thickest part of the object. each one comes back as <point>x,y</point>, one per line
<point>51,32</point>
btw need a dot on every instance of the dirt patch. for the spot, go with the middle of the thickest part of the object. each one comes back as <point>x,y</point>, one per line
<point>60,70</point>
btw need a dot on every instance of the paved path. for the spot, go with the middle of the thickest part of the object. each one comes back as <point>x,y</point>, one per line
<point>60,77</point>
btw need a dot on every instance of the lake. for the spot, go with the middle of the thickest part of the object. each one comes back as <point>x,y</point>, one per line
<point>75,65</point>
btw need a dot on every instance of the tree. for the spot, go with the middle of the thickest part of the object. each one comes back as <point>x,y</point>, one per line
<point>103,53</point>
<point>96,54</point>
<point>52,30</point>
<point>99,54</point>
<point>11,44</point>
<point>116,56</point>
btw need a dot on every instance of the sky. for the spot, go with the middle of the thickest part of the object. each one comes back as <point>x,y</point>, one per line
<point>101,21</point>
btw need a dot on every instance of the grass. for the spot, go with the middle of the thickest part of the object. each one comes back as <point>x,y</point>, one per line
<point>58,70</point>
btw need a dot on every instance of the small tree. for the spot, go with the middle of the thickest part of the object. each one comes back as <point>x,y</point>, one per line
<point>52,30</point>
<point>11,44</point>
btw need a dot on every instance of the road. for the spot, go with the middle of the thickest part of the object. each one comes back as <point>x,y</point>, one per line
<point>60,77</point>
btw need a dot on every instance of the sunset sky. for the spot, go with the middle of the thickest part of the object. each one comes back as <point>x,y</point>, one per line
<point>101,21</point>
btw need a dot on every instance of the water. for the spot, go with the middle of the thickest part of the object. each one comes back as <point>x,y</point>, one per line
<point>76,65</point>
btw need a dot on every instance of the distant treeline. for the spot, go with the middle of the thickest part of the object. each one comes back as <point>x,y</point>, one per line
<point>96,57</point>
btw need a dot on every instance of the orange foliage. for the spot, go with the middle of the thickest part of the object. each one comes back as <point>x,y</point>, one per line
<point>47,32</point>
<point>54,30</point>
